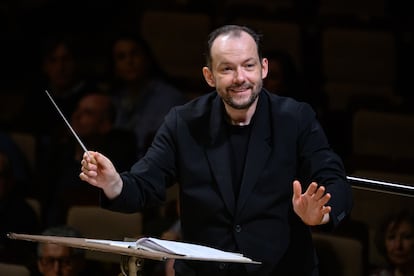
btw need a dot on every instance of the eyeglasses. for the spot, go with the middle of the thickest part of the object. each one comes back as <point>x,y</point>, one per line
<point>64,262</point>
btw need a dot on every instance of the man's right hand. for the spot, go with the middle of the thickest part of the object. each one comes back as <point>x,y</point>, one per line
<point>99,171</point>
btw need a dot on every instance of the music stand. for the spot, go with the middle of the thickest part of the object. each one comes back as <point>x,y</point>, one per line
<point>134,256</point>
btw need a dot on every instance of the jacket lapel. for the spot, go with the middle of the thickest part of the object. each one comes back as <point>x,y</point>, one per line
<point>218,155</point>
<point>259,149</point>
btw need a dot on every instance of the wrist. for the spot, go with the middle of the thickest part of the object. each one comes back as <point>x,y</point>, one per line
<point>114,189</point>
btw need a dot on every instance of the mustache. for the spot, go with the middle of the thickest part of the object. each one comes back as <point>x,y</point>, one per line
<point>241,87</point>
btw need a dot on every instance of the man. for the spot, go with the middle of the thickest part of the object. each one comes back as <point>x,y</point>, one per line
<point>235,154</point>
<point>56,259</point>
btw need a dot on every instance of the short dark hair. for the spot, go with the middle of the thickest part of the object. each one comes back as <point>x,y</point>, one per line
<point>234,30</point>
<point>63,231</point>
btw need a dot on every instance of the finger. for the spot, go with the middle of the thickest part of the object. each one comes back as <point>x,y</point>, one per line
<point>86,178</point>
<point>320,192</point>
<point>325,199</point>
<point>312,188</point>
<point>92,157</point>
<point>326,210</point>
<point>88,172</point>
<point>83,176</point>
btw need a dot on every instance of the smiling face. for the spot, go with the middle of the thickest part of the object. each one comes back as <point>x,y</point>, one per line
<point>399,243</point>
<point>236,70</point>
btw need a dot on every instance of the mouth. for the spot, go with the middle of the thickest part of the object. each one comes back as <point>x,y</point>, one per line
<point>240,89</point>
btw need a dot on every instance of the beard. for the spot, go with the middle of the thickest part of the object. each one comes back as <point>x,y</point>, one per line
<point>232,102</point>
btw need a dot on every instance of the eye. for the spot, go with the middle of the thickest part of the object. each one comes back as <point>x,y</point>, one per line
<point>226,69</point>
<point>250,66</point>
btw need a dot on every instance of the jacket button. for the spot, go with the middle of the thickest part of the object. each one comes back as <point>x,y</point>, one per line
<point>237,228</point>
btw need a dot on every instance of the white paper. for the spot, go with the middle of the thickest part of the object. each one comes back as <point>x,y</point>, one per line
<point>195,251</point>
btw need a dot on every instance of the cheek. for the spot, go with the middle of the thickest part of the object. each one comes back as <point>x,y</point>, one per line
<point>389,244</point>
<point>409,246</point>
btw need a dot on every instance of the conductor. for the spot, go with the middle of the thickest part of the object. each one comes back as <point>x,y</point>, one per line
<point>255,170</point>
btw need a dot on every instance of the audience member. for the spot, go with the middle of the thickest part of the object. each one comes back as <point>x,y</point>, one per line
<point>16,215</point>
<point>59,260</point>
<point>395,242</point>
<point>20,165</point>
<point>142,92</point>
<point>93,121</point>
<point>60,75</point>
<point>285,79</point>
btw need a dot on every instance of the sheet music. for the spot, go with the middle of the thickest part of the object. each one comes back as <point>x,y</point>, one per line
<point>179,248</point>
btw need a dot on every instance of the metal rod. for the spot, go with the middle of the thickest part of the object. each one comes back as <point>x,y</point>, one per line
<point>67,123</point>
<point>381,186</point>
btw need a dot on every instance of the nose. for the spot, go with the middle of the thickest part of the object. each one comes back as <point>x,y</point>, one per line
<point>57,266</point>
<point>239,75</point>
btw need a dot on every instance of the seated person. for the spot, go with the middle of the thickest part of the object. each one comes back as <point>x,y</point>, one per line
<point>55,259</point>
<point>16,215</point>
<point>93,120</point>
<point>395,241</point>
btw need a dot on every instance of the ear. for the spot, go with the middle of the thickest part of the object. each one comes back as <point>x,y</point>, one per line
<point>265,67</point>
<point>208,76</point>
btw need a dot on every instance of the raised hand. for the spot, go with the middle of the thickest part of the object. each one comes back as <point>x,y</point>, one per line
<point>311,205</point>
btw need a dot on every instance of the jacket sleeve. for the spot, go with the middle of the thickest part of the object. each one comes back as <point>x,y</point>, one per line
<point>319,163</point>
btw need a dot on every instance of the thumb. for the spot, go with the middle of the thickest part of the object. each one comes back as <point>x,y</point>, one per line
<point>297,189</point>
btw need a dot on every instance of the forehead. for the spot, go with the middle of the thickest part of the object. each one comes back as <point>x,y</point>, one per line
<point>403,226</point>
<point>232,47</point>
<point>126,45</point>
<point>95,100</point>
<point>55,250</point>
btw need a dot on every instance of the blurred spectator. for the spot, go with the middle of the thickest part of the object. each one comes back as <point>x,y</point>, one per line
<point>20,165</point>
<point>16,215</point>
<point>60,260</point>
<point>284,79</point>
<point>59,70</point>
<point>395,242</point>
<point>141,91</point>
<point>93,121</point>
<point>60,75</point>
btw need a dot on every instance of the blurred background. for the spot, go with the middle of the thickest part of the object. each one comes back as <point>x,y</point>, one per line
<point>351,60</point>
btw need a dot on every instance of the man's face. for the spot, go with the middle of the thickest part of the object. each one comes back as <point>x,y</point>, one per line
<point>89,118</point>
<point>57,260</point>
<point>236,70</point>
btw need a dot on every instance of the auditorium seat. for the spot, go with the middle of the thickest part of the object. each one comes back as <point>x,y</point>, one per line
<point>357,62</point>
<point>283,36</point>
<point>338,255</point>
<point>177,39</point>
<point>97,223</point>
<point>13,270</point>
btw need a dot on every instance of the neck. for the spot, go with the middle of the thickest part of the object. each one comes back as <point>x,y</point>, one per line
<point>240,117</point>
